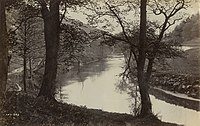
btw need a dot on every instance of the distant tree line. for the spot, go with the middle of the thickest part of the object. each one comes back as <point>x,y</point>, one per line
<point>188,29</point>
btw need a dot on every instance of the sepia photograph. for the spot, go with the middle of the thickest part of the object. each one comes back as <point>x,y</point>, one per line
<point>99,63</point>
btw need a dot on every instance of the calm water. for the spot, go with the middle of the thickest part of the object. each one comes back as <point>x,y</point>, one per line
<point>95,87</point>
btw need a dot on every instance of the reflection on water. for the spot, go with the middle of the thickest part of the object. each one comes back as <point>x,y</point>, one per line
<point>176,114</point>
<point>184,48</point>
<point>98,91</point>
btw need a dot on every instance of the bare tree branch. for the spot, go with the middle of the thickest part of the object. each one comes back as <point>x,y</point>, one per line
<point>127,69</point>
<point>170,24</point>
<point>63,15</point>
<point>120,22</point>
<point>179,5</point>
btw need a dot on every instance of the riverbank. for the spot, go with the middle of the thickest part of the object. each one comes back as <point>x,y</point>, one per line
<point>176,99</point>
<point>177,83</point>
<point>181,76</point>
<point>23,110</point>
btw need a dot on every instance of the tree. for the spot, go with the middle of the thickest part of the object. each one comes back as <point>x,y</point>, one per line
<point>51,32</point>
<point>4,39</point>
<point>141,52</point>
<point>52,21</point>
<point>169,12</point>
<point>142,81</point>
<point>3,49</point>
<point>26,36</point>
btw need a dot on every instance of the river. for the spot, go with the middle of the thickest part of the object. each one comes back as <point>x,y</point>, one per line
<point>95,87</point>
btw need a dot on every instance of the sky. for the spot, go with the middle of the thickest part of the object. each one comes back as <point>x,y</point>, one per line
<point>193,9</point>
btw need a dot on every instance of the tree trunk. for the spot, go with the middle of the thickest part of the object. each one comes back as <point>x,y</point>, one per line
<point>146,108</point>
<point>3,49</point>
<point>24,72</point>
<point>30,74</point>
<point>149,69</point>
<point>24,55</point>
<point>30,67</point>
<point>51,32</point>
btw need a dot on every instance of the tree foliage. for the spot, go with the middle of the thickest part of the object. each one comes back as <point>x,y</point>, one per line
<point>188,29</point>
<point>73,43</point>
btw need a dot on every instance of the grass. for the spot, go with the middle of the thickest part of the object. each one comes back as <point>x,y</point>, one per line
<point>189,65</point>
<point>20,109</point>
